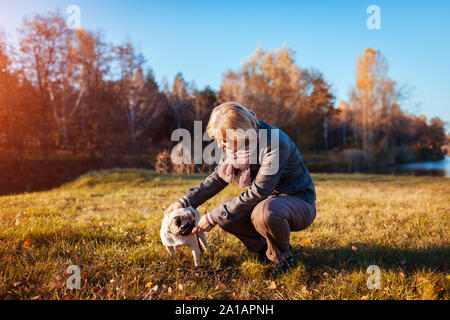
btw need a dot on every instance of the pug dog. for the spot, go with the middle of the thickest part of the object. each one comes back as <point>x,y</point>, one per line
<point>176,231</point>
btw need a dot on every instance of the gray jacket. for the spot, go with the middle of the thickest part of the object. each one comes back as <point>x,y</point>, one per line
<point>292,178</point>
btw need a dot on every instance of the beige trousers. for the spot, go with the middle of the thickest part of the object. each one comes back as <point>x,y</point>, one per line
<point>271,222</point>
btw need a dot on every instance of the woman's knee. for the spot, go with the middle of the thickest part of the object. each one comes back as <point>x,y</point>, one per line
<point>266,213</point>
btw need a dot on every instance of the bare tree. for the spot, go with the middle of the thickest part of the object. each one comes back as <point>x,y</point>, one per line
<point>46,46</point>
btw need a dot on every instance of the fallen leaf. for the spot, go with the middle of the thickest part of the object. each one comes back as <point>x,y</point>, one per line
<point>148,284</point>
<point>102,293</point>
<point>180,286</point>
<point>221,286</point>
<point>67,297</point>
<point>210,297</point>
<point>235,295</point>
<point>16,284</point>
<point>169,290</point>
<point>272,285</point>
<point>59,284</point>
<point>402,275</point>
<point>305,290</point>
<point>438,289</point>
<point>365,298</point>
<point>325,274</point>
<point>354,248</point>
<point>423,280</point>
<point>27,243</point>
<point>110,294</point>
<point>191,298</point>
<point>35,297</point>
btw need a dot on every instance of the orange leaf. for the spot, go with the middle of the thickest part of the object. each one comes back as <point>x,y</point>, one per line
<point>305,290</point>
<point>148,284</point>
<point>27,243</point>
<point>423,280</point>
<point>221,286</point>
<point>272,285</point>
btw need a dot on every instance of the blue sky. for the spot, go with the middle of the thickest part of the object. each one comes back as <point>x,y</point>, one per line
<point>203,39</point>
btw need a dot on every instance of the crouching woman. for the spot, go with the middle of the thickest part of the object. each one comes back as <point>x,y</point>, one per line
<point>281,194</point>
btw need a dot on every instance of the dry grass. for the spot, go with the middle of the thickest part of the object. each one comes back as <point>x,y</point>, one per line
<point>108,222</point>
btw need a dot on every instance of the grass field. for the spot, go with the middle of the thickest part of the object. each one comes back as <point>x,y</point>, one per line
<point>107,223</point>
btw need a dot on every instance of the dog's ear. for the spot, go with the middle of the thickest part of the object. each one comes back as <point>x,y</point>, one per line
<point>174,226</point>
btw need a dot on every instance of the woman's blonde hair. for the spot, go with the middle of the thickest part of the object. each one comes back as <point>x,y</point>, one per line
<point>231,115</point>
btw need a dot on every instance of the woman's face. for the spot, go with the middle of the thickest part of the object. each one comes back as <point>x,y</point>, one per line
<point>230,145</point>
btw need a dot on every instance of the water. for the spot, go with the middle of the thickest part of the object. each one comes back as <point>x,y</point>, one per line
<point>427,168</point>
<point>435,168</point>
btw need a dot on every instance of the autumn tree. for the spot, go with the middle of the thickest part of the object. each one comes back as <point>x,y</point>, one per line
<point>92,57</point>
<point>377,120</point>
<point>138,95</point>
<point>45,45</point>
<point>280,92</point>
<point>271,84</point>
<point>318,112</point>
<point>180,99</point>
<point>363,96</point>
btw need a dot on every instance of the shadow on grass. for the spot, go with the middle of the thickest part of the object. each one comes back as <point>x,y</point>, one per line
<point>387,258</point>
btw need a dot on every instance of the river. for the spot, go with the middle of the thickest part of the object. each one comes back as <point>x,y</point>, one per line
<point>439,168</point>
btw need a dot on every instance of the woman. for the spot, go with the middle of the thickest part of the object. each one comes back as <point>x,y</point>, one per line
<point>277,201</point>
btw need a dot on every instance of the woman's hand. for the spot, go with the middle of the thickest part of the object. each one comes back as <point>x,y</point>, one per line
<point>173,206</point>
<point>202,226</point>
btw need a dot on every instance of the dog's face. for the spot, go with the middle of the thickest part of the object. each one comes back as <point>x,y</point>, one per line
<point>182,221</point>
